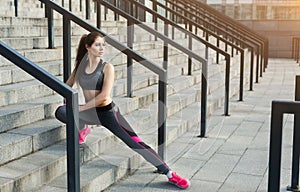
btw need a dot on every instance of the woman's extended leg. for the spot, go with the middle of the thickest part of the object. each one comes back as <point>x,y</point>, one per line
<point>117,124</point>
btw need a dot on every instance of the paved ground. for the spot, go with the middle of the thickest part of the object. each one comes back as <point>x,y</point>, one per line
<point>234,156</point>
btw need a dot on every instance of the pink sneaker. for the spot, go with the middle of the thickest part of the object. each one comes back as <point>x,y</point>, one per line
<point>179,181</point>
<point>83,134</point>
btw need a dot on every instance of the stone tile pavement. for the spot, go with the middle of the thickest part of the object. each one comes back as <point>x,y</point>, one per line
<point>234,156</point>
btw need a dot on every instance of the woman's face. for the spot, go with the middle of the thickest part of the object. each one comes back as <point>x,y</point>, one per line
<point>97,48</point>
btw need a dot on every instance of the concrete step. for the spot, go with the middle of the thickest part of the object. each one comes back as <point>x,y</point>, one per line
<point>13,116</point>
<point>13,74</point>
<point>22,92</point>
<point>28,139</point>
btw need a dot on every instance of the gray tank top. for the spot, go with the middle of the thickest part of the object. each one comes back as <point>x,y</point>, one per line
<point>94,80</point>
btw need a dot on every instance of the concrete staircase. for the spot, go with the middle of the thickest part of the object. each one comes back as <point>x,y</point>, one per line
<point>33,147</point>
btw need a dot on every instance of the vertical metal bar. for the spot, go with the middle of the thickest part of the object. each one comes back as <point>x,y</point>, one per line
<point>62,3</point>
<point>130,31</point>
<point>172,17</point>
<point>204,96</point>
<point>257,65</point>
<point>296,142</point>
<point>227,77</point>
<point>166,51</point>
<point>49,12</point>
<point>98,14</point>
<point>232,50</point>
<point>80,5</point>
<point>87,9</point>
<point>70,5</point>
<point>162,115</point>
<point>266,53</point>
<point>218,45</point>
<point>73,161</point>
<point>263,67</point>
<point>261,64</point>
<point>119,5</point>
<point>190,46</point>
<point>296,154</point>
<point>155,17</point>
<point>251,70</point>
<point>242,75</point>
<point>66,48</point>
<point>16,7</point>
<point>275,149</point>
<point>226,45</point>
<point>141,12</point>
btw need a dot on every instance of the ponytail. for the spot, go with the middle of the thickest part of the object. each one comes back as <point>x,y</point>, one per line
<point>81,51</point>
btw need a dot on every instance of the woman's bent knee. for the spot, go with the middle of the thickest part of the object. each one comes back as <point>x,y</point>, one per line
<point>60,113</point>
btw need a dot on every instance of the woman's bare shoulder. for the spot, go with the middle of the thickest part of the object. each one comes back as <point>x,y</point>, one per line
<point>108,67</point>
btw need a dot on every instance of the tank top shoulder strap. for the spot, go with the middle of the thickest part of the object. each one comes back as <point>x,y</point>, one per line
<point>102,65</point>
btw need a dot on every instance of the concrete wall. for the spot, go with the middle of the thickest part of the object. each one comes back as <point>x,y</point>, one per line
<point>279,33</point>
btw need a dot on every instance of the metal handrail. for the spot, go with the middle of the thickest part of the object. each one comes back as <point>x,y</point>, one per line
<point>73,161</point>
<point>162,84</point>
<point>226,21</point>
<point>279,108</point>
<point>208,32</point>
<point>227,32</point>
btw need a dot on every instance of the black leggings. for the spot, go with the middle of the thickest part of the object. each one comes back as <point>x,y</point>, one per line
<point>110,117</point>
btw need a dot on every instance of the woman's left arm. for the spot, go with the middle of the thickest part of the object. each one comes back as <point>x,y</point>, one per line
<point>104,95</point>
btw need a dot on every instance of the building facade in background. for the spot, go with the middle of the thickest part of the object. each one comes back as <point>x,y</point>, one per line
<point>258,9</point>
<point>278,20</point>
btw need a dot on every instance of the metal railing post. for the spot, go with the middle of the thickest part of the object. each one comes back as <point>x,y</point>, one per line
<point>49,15</point>
<point>275,148</point>
<point>130,39</point>
<point>242,63</point>
<point>257,66</point>
<point>70,5</point>
<point>190,46</point>
<point>66,48</point>
<point>98,15</point>
<point>73,161</point>
<point>130,32</point>
<point>227,79</point>
<point>154,17</point>
<point>166,50</point>
<point>251,71</point>
<point>204,97</point>
<point>87,9</point>
<point>296,143</point>
<point>16,7</point>
<point>162,115</point>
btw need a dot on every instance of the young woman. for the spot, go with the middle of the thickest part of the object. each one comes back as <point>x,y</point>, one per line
<point>96,78</point>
